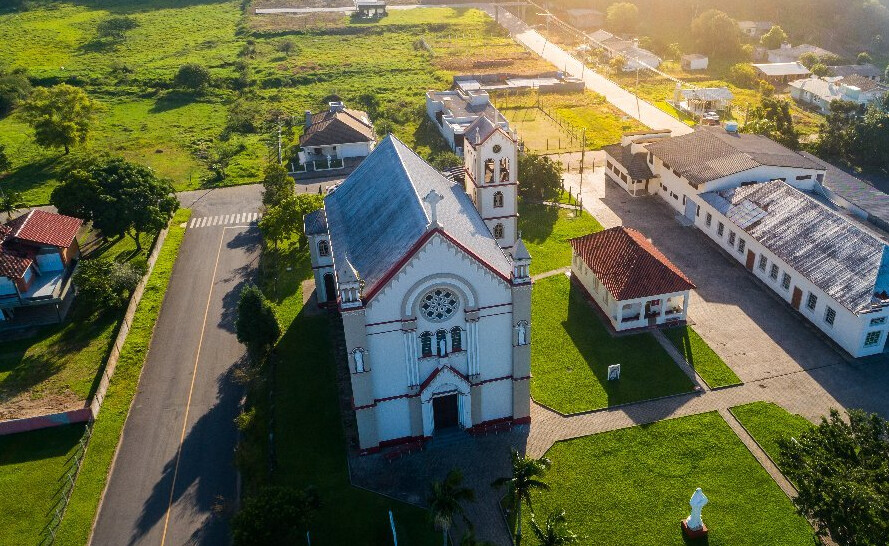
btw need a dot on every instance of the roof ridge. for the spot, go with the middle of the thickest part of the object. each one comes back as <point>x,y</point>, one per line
<point>21,226</point>
<point>407,173</point>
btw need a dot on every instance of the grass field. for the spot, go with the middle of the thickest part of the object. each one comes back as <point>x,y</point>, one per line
<point>58,368</point>
<point>309,442</point>
<point>33,466</point>
<point>768,423</point>
<point>553,122</point>
<point>546,230</point>
<point>77,524</point>
<point>632,486</point>
<point>571,352</point>
<point>696,352</point>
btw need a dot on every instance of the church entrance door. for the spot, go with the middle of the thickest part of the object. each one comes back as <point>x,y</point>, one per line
<point>444,411</point>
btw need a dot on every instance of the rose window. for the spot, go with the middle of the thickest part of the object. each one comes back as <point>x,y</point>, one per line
<point>439,304</point>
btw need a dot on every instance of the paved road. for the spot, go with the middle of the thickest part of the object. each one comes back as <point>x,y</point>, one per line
<point>175,463</point>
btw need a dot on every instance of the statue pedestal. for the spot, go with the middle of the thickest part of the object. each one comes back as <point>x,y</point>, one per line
<point>693,533</point>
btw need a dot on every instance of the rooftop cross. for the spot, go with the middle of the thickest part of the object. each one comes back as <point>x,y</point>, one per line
<point>433,198</point>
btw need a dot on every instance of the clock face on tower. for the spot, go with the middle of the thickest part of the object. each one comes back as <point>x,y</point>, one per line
<point>497,148</point>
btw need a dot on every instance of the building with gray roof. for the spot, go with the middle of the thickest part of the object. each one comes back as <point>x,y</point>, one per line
<point>454,111</point>
<point>828,267</point>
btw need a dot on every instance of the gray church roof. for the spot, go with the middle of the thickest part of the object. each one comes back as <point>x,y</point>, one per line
<point>711,153</point>
<point>377,216</point>
<point>828,249</point>
<point>316,222</point>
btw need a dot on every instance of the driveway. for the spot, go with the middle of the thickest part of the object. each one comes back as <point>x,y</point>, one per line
<point>174,468</point>
<point>759,336</point>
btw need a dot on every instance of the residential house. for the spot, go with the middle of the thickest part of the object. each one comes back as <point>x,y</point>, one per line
<point>635,57</point>
<point>703,101</point>
<point>454,111</point>
<point>825,265</point>
<point>434,292</point>
<point>626,163</point>
<point>791,54</point>
<point>335,136</point>
<point>585,18</point>
<point>779,74</point>
<point>755,29</point>
<point>632,282</point>
<point>38,252</point>
<point>694,61</point>
<point>370,9</point>
<point>867,70</point>
<point>821,92</point>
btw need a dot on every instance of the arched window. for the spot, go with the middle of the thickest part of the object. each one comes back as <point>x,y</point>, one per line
<point>456,339</point>
<point>441,342</point>
<point>498,231</point>
<point>426,344</point>
<point>504,169</point>
<point>489,171</point>
<point>323,248</point>
<point>498,200</point>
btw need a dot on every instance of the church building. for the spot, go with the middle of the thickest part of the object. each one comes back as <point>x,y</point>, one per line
<point>434,289</point>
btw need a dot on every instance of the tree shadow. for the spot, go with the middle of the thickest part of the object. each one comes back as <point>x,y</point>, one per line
<point>207,457</point>
<point>171,100</point>
<point>537,221</point>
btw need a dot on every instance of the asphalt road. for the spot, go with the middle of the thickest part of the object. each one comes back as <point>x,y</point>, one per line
<point>175,465</point>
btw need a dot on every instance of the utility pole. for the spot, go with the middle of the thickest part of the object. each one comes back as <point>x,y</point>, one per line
<point>582,157</point>
<point>279,141</point>
<point>638,107</point>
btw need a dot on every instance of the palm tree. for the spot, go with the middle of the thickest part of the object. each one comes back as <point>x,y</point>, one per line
<point>470,540</point>
<point>526,477</point>
<point>445,500</point>
<point>555,530</point>
<point>10,202</point>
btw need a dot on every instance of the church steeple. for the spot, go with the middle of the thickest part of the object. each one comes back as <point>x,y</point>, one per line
<point>491,162</point>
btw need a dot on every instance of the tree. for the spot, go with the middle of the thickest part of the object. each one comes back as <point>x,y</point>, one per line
<point>743,75</point>
<point>284,220</point>
<point>14,88</point>
<point>118,197</point>
<point>674,51</point>
<point>864,58</point>
<point>61,116</point>
<point>10,201</point>
<point>192,76</point>
<point>766,89</point>
<point>772,118</point>
<point>446,500</point>
<point>115,28</point>
<point>527,474</point>
<point>622,17</point>
<point>541,176</point>
<point>446,160</point>
<point>773,38</point>
<point>809,59</point>
<point>256,325</point>
<point>820,69</point>
<point>276,185</point>
<point>554,531</point>
<point>276,516</point>
<point>841,473</point>
<point>717,34</point>
<point>105,283</point>
<point>5,163</point>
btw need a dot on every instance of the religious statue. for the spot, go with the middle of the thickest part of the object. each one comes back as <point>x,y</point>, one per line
<point>442,347</point>
<point>693,526</point>
<point>359,361</point>
<point>522,334</point>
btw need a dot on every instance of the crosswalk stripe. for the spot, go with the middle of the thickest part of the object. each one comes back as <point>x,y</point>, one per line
<point>203,222</point>
<point>238,218</point>
<point>194,222</point>
<point>225,219</point>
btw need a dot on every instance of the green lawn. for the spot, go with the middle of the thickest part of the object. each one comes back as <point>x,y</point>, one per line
<point>77,524</point>
<point>702,358</point>
<point>571,352</point>
<point>33,466</point>
<point>768,423</point>
<point>59,366</point>
<point>309,442</point>
<point>632,486</point>
<point>546,230</point>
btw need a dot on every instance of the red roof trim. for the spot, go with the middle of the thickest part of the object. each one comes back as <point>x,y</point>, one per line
<point>384,280</point>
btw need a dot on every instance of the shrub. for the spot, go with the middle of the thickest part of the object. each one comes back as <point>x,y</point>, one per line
<point>115,28</point>
<point>192,76</point>
<point>14,88</point>
<point>107,284</point>
<point>743,75</point>
<point>275,516</point>
<point>864,58</point>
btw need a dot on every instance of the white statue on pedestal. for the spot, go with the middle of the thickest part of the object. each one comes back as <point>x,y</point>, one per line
<point>359,361</point>
<point>442,347</point>
<point>697,502</point>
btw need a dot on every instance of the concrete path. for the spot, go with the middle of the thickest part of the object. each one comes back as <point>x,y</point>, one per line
<point>175,466</point>
<point>767,463</point>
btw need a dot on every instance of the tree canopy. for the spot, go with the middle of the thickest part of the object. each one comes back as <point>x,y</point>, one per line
<point>773,38</point>
<point>841,472</point>
<point>622,17</point>
<point>192,76</point>
<point>446,500</point>
<point>285,220</point>
<point>717,34</point>
<point>276,185</point>
<point>14,88</point>
<point>256,324</point>
<point>541,176</point>
<point>61,116</point>
<point>275,516</point>
<point>118,197</point>
<point>115,27</point>
<point>107,284</point>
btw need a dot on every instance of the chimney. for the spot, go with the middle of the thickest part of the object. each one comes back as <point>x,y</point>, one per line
<point>308,117</point>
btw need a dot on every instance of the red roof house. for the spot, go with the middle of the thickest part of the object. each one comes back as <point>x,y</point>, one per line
<point>632,281</point>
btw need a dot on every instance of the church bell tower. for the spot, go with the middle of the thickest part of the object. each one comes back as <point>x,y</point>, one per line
<point>490,155</point>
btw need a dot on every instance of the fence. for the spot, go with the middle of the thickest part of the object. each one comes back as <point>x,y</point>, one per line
<point>70,478</point>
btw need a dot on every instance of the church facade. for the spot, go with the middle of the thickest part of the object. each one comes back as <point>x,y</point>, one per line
<point>434,290</point>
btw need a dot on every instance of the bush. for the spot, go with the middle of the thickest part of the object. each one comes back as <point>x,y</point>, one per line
<point>14,88</point>
<point>276,515</point>
<point>287,47</point>
<point>192,76</point>
<point>820,69</point>
<point>107,284</point>
<point>864,58</point>
<point>446,160</point>
<point>116,27</point>
<point>743,75</point>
